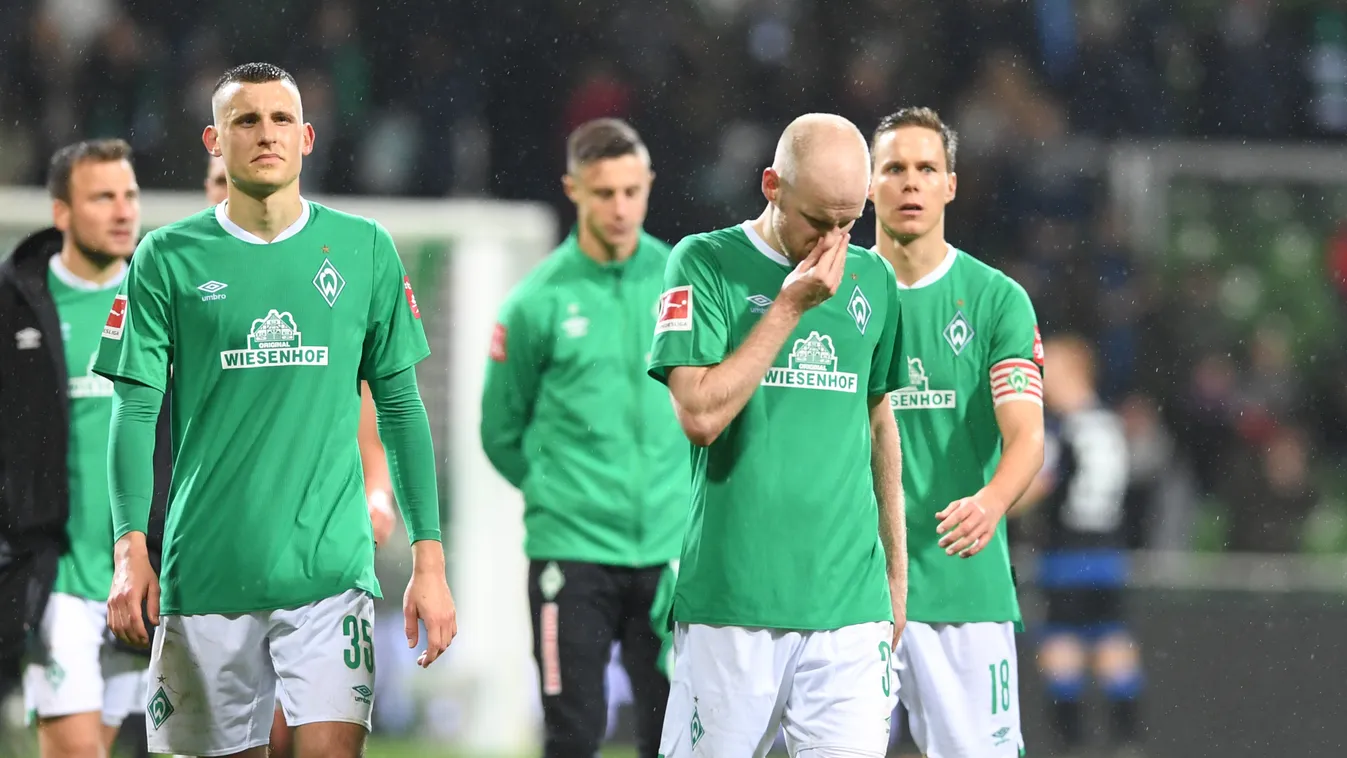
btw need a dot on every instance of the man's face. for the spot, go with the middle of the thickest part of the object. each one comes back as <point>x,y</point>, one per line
<point>610,196</point>
<point>259,132</point>
<point>912,183</point>
<point>217,181</point>
<point>103,214</point>
<point>813,209</point>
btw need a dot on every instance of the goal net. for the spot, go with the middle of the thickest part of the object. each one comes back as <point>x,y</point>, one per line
<point>462,256</point>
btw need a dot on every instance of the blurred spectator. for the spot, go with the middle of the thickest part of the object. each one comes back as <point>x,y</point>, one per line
<point>1271,496</point>
<point>1161,499</point>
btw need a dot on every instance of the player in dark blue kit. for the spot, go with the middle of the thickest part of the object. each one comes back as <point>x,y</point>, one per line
<point>1082,572</point>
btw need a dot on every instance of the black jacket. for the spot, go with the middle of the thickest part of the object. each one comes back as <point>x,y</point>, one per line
<point>35,435</point>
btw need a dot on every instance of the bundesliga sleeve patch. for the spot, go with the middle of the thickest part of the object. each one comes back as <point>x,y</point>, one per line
<point>675,310</point>
<point>411,296</point>
<point>1016,379</point>
<point>1038,347</point>
<point>498,343</point>
<point>116,318</point>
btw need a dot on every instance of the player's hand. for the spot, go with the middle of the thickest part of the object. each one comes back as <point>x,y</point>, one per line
<point>380,516</point>
<point>428,600</point>
<point>816,278</point>
<point>968,524</point>
<point>133,583</point>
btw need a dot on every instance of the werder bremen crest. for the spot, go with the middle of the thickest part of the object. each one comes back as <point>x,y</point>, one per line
<point>274,340</point>
<point>812,364</point>
<point>959,332</point>
<point>550,581</point>
<point>329,282</point>
<point>159,709</point>
<point>860,309</point>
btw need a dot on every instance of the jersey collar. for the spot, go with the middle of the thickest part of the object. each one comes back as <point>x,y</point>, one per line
<point>69,279</point>
<point>951,255</point>
<point>243,234</point>
<point>762,246</point>
<point>637,258</point>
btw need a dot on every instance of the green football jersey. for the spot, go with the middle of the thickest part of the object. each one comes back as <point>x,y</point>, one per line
<point>784,529</point>
<point>85,570</point>
<point>267,344</point>
<point>969,342</point>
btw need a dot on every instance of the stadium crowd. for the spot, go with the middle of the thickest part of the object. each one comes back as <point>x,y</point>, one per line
<point>478,99</point>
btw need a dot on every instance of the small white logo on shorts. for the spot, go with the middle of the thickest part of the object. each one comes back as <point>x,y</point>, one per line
<point>28,339</point>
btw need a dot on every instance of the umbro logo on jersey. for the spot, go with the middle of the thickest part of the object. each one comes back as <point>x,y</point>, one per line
<point>759,302</point>
<point>212,290</point>
<point>329,282</point>
<point>959,332</point>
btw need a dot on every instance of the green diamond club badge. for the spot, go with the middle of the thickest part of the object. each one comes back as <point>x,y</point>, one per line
<point>860,309</point>
<point>329,282</point>
<point>550,581</point>
<point>159,709</point>
<point>959,333</point>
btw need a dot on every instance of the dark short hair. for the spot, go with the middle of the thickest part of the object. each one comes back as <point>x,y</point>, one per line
<point>923,117</point>
<point>600,139</point>
<point>63,162</point>
<point>254,73</point>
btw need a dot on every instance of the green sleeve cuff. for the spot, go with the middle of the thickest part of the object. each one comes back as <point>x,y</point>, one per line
<point>404,429</point>
<point>135,413</point>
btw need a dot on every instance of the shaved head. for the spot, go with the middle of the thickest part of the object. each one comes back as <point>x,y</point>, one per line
<point>817,184</point>
<point>820,147</point>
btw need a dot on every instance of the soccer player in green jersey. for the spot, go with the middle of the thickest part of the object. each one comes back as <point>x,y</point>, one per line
<point>269,310</point>
<point>378,485</point>
<point>55,291</point>
<point>778,341</point>
<point>971,418</point>
<point>570,417</point>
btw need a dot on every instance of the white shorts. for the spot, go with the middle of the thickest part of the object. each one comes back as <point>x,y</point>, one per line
<point>213,678</point>
<point>732,688</point>
<point>960,685</point>
<point>75,668</point>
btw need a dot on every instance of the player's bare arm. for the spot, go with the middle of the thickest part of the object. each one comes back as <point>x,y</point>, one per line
<point>378,482</point>
<point>967,524</point>
<point>707,398</point>
<point>1045,481</point>
<point>886,466</point>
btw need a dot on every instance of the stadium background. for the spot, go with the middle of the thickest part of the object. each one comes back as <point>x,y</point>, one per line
<point>1166,177</point>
